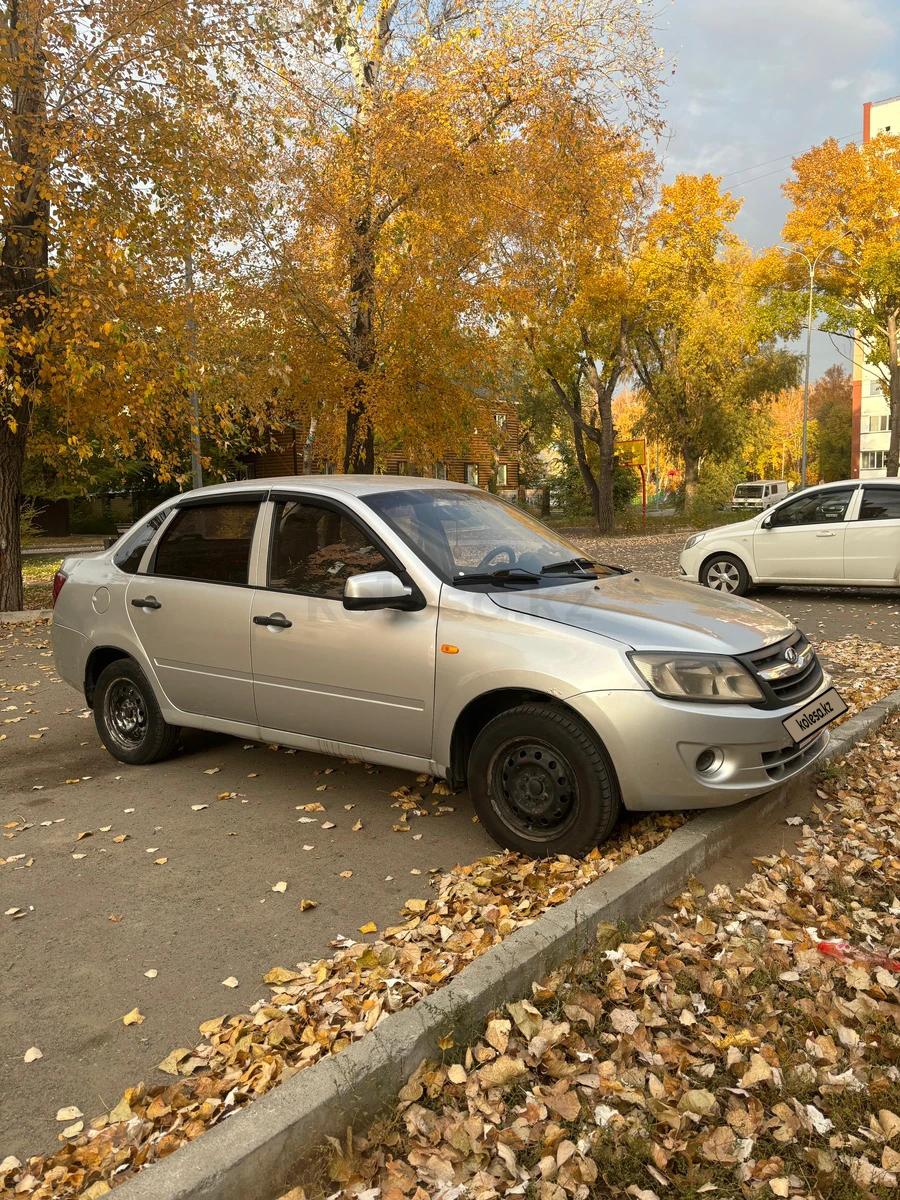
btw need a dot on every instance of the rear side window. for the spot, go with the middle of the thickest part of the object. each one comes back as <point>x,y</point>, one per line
<point>880,504</point>
<point>209,542</point>
<point>128,557</point>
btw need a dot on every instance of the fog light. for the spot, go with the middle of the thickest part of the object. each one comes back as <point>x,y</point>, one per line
<point>709,760</point>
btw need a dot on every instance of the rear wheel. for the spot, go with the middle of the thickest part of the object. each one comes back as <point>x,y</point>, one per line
<point>541,783</point>
<point>128,718</point>
<point>725,573</point>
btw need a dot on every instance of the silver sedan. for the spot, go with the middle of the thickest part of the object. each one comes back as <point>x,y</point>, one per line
<point>433,627</point>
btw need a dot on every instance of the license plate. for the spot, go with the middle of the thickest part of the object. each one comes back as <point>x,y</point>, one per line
<point>806,722</point>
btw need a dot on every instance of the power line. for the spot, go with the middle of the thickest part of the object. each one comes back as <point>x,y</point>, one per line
<point>781,157</point>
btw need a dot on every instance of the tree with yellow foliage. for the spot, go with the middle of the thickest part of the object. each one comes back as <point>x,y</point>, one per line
<point>846,201</point>
<point>98,203</point>
<point>395,124</point>
<point>702,350</point>
<point>575,208</point>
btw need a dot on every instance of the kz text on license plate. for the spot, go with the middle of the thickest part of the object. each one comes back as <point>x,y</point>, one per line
<point>807,721</point>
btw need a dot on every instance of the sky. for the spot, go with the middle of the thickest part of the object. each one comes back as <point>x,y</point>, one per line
<point>757,82</point>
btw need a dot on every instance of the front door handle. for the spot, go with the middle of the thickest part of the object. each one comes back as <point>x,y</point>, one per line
<point>829,533</point>
<point>274,619</point>
<point>147,602</point>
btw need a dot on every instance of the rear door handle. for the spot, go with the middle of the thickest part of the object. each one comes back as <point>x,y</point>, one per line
<point>147,602</point>
<point>830,533</point>
<point>275,619</point>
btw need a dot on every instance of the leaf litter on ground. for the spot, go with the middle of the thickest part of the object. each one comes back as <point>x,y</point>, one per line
<point>742,1045</point>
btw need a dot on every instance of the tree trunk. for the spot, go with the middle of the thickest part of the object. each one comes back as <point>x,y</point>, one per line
<point>12,458</point>
<point>605,441</point>
<point>893,454</point>
<point>23,280</point>
<point>359,440</point>
<point>691,473</point>
<point>587,475</point>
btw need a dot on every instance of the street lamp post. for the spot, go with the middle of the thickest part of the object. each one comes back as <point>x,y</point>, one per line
<point>811,264</point>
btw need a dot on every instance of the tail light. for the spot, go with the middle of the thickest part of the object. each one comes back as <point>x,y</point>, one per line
<point>58,580</point>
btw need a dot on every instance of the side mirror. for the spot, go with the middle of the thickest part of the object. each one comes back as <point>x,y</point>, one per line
<point>379,589</point>
<point>766,522</point>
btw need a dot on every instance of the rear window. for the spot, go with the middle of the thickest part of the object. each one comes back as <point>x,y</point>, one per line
<point>209,542</point>
<point>880,504</point>
<point>128,557</point>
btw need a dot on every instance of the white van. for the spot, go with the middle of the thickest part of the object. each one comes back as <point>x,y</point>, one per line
<point>759,493</point>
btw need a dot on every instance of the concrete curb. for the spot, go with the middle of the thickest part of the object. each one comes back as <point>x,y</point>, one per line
<point>25,615</point>
<point>256,1154</point>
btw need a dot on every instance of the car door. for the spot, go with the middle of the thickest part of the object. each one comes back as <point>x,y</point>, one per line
<point>363,678</point>
<point>872,545</point>
<point>191,608</point>
<point>802,539</point>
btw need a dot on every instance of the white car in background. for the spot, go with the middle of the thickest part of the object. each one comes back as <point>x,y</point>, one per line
<point>837,534</point>
<point>759,493</point>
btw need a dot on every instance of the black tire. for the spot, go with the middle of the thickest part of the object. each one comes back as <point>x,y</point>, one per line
<point>725,573</point>
<point>542,783</point>
<point>127,716</point>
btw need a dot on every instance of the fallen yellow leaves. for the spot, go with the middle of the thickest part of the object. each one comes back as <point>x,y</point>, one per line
<point>133,1018</point>
<point>783,1081</point>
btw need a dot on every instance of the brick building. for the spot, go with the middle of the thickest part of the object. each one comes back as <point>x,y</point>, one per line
<point>489,458</point>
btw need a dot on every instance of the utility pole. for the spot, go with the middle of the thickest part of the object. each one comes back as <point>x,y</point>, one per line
<point>811,266</point>
<point>191,325</point>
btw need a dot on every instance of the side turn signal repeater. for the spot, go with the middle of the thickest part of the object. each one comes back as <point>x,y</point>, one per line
<point>446,648</point>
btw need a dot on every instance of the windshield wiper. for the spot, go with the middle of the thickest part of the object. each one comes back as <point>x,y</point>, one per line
<point>503,575</point>
<point>565,567</point>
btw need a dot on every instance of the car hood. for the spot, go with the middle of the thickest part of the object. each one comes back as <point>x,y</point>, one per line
<point>648,612</point>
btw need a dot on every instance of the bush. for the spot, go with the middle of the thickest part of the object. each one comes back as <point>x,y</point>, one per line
<point>714,489</point>
<point>28,526</point>
<point>571,496</point>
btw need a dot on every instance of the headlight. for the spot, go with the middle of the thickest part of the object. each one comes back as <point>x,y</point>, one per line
<point>693,540</point>
<point>697,677</point>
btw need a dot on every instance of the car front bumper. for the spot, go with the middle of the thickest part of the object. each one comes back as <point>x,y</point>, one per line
<point>654,745</point>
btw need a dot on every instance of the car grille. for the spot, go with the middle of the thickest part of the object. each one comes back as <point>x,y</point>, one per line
<point>779,764</point>
<point>781,681</point>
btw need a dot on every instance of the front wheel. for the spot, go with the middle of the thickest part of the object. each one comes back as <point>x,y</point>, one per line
<point>541,783</point>
<point>725,573</point>
<point>128,718</point>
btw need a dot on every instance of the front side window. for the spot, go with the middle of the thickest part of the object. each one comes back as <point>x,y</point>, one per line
<point>315,550</point>
<point>128,557</point>
<point>209,542</point>
<point>817,508</point>
<point>466,536</point>
<point>880,504</point>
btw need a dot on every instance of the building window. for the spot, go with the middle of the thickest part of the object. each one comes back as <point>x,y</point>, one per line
<point>440,470</point>
<point>871,460</point>
<point>472,474</point>
<point>403,467</point>
<point>873,388</point>
<point>875,423</point>
<point>500,420</point>
<point>501,475</point>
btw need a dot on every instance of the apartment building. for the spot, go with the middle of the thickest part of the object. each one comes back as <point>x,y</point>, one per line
<point>871,413</point>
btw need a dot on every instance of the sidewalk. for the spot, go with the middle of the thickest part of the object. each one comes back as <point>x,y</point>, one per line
<point>745,1045</point>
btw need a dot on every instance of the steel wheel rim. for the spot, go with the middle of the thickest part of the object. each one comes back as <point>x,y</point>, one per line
<point>125,714</point>
<point>533,789</point>
<point>723,577</point>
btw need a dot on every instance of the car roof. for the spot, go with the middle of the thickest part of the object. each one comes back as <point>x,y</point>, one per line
<point>355,485</point>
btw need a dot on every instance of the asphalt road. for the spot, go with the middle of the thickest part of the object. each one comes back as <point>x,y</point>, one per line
<point>73,964</point>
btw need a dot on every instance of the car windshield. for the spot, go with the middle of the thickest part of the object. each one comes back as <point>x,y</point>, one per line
<point>470,537</point>
<point>748,489</point>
